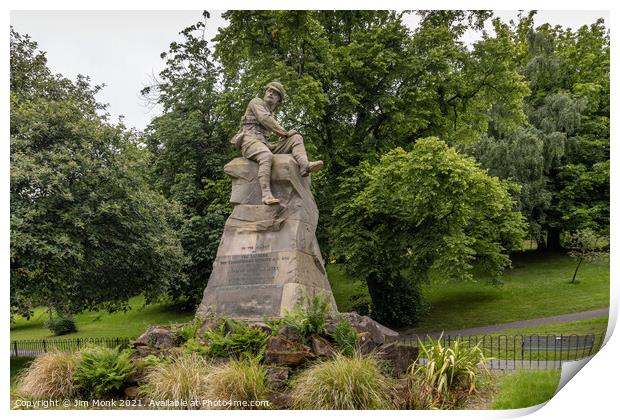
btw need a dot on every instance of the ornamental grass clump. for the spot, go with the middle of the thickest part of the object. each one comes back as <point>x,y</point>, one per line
<point>49,376</point>
<point>239,380</point>
<point>343,383</point>
<point>183,378</point>
<point>449,371</point>
<point>102,372</point>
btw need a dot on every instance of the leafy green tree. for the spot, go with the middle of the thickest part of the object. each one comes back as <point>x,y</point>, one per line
<point>560,156</point>
<point>189,147</point>
<point>585,245</point>
<point>87,232</point>
<point>430,210</point>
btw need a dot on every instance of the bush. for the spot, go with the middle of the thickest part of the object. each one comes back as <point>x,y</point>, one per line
<point>102,372</point>
<point>234,338</point>
<point>344,383</point>
<point>194,346</point>
<point>448,370</point>
<point>187,332</point>
<point>239,380</point>
<point>346,338</point>
<point>49,376</point>
<point>183,379</point>
<point>308,316</point>
<point>61,325</point>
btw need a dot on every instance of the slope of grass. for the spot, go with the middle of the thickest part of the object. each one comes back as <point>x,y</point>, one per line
<point>537,286</point>
<point>101,324</point>
<point>525,388</point>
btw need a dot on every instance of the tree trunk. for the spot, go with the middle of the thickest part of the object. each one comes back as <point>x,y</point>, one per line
<point>552,243</point>
<point>576,269</point>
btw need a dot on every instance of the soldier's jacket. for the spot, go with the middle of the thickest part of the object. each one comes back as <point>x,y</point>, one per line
<point>257,124</point>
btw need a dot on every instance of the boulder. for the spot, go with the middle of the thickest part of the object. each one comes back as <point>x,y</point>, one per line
<point>362,323</point>
<point>157,338</point>
<point>208,324</point>
<point>399,356</point>
<point>277,376</point>
<point>321,347</point>
<point>290,333</point>
<point>279,400</point>
<point>366,344</point>
<point>132,392</point>
<point>281,351</point>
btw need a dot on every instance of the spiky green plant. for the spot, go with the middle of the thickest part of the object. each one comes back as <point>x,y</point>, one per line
<point>309,314</point>
<point>446,367</point>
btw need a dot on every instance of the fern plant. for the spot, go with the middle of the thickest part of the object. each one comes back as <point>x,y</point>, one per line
<point>309,315</point>
<point>102,372</point>
<point>234,338</point>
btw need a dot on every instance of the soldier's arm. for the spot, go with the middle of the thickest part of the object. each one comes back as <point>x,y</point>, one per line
<point>265,118</point>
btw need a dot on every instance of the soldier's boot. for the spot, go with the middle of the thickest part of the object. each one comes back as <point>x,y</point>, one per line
<point>265,186</point>
<point>299,153</point>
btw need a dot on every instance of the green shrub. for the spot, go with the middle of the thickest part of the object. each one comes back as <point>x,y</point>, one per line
<point>187,332</point>
<point>61,325</point>
<point>194,346</point>
<point>49,376</point>
<point>183,379</point>
<point>239,380</point>
<point>309,314</point>
<point>150,361</point>
<point>234,338</point>
<point>102,372</point>
<point>346,338</point>
<point>449,369</point>
<point>343,383</point>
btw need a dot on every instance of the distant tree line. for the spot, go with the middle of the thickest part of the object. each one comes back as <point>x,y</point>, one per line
<point>438,155</point>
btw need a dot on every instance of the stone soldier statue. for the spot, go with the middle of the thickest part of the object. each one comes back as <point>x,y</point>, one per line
<point>257,124</point>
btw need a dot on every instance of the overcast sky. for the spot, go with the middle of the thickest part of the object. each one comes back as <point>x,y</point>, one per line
<point>122,48</point>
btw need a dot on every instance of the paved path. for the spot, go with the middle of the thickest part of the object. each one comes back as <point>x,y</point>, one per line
<point>488,329</point>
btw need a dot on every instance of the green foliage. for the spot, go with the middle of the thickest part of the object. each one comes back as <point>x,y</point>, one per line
<point>448,369</point>
<point>187,332</point>
<point>559,156</point>
<point>87,231</point>
<point>195,346</point>
<point>61,325</point>
<point>244,379</point>
<point>189,147</point>
<point>585,245</point>
<point>151,361</point>
<point>344,383</point>
<point>234,338</point>
<point>309,314</point>
<point>346,338</point>
<point>102,372</point>
<point>413,213</point>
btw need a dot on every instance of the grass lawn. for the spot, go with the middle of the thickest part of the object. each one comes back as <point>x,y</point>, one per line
<point>537,286</point>
<point>525,388</point>
<point>101,324</point>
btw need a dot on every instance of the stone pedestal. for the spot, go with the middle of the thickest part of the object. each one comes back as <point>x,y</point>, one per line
<point>268,255</point>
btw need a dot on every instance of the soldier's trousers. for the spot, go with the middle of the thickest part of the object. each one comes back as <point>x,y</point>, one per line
<point>257,150</point>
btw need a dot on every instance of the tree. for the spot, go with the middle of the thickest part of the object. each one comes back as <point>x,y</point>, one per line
<point>430,210</point>
<point>585,245</point>
<point>86,230</point>
<point>561,155</point>
<point>189,147</point>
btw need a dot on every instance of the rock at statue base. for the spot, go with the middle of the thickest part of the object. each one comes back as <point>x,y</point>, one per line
<point>268,257</point>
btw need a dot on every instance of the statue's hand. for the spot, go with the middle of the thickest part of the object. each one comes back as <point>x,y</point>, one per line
<point>291,133</point>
